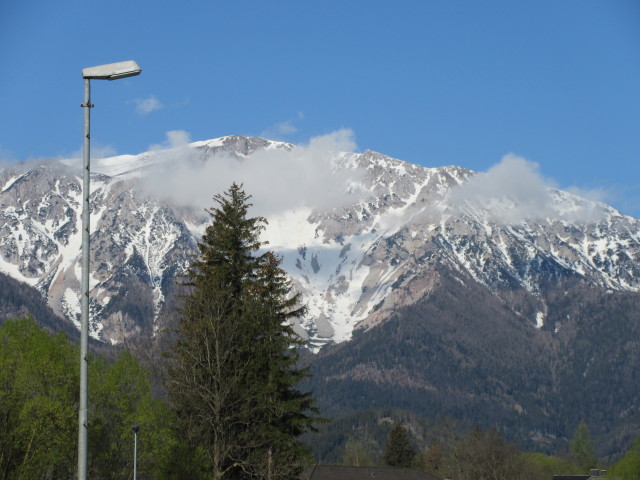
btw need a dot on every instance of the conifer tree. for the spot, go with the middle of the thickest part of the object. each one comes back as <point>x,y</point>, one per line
<point>582,449</point>
<point>398,451</point>
<point>232,370</point>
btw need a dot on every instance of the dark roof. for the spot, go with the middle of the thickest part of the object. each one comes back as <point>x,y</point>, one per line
<point>330,472</point>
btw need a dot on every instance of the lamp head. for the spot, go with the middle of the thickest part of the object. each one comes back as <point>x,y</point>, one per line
<point>135,428</point>
<point>112,71</point>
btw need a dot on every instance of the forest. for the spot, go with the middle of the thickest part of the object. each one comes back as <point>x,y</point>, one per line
<point>38,418</point>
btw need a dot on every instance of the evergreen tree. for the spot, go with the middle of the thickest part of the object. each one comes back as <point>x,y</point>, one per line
<point>285,409</point>
<point>582,449</point>
<point>232,370</point>
<point>399,451</point>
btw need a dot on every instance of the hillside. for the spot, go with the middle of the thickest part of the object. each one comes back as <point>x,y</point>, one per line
<point>461,353</point>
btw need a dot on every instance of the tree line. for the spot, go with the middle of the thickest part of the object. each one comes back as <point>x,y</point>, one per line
<point>484,454</point>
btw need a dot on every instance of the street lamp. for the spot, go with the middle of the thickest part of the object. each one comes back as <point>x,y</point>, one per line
<point>112,71</point>
<point>135,429</point>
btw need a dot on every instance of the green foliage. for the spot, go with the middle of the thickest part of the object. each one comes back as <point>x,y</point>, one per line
<point>628,467</point>
<point>38,390</point>
<point>540,466</point>
<point>39,387</point>
<point>582,449</point>
<point>443,450</point>
<point>113,415</point>
<point>371,427</point>
<point>232,370</point>
<point>399,450</point>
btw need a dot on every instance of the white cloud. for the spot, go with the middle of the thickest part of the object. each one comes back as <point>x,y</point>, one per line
<point>510,192</point>
<point>513,191</point>
<point>281,130</point>
<point>175,139</point>
<point>286,128</point>
<point>342,140</point>
<point>594,194</point>
<point>97,151</point>
<point>622,197</point>
<point>147,105</point>
<point>278,180</point>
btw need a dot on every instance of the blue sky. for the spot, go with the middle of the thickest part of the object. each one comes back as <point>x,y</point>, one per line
<point>433,83</point>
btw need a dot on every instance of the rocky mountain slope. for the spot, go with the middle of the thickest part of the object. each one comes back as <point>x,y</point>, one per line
<point>487,298</point>
<point>356,262</point>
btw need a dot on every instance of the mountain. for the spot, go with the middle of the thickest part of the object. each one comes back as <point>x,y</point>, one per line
<point>439,290</point>
<point>462,353</point>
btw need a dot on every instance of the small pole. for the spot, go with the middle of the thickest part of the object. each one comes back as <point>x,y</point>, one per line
<point>135,430</point>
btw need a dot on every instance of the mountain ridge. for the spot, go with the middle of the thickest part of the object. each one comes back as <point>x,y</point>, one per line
<point>354,261</point>
<point>486,297</point>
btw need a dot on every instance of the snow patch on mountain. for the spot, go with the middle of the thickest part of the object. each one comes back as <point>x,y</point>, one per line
<point>359,234</point>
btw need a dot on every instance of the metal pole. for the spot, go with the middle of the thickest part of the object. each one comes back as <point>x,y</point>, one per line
<point>135,455</point>
<point>83,425</point>
<point>135,430</point>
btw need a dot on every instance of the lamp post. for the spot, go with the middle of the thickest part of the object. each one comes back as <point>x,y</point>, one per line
<point>112,71</point>
<point>135,429</point>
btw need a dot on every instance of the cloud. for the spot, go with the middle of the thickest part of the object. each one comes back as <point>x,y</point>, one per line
<point>286,128</point>
<point>510,192</point>
<point>97,151</point>
<point>144,106</point>
<point>281,130</point>
<point>513,192</point>
<point>625,198</point>
<point>175,139</point>
<point>278,180</point>
<point>593,194</point>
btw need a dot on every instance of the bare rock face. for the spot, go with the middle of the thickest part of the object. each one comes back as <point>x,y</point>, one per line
<point>136,245</point>
<point>355,263</point>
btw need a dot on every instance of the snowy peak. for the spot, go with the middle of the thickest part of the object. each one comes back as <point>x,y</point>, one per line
<point>376,245</point>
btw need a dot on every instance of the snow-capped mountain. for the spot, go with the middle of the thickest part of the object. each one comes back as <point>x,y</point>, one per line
<point>356,258</point>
